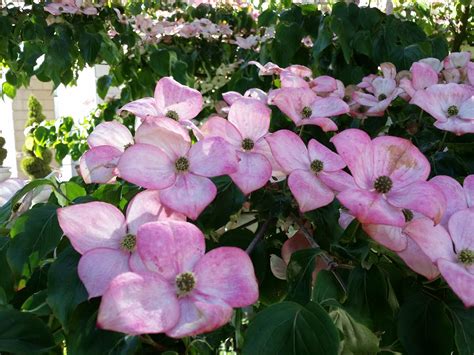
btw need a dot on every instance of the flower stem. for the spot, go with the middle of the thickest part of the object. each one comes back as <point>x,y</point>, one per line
<point>257,237</point>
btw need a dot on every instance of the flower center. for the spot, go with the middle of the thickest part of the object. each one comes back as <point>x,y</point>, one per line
<point>317,166</point>
<point>247,144</point>
<point>182,164</point>
<point>306,112</point>
<point>346,98</point>
<point>362,109</point>
<point>408,214</point>
<point>383,184</point>
<point>60,8</point>
<point>382,97</point>
<point>185,283</point>
<point>172,114</point>
<point>466,256</point>
<point>453,110</point>
<point>307,78</point>
<point>128,243</point>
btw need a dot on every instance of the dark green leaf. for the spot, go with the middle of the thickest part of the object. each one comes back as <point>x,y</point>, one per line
<point>89,44</point>
<point>327,287</point>
<point>103,85</point>
<point>299,274</point>
<point>463,320</point>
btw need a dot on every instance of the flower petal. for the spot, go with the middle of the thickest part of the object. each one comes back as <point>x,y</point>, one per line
<point>309,190</point>
<point>469,190</point>
<point>200,315</point>
<point>423,75</point>
<point>326,124</point>
<point>331,160</point>
<point>98,267</point>
<point>219,127</point>
<point>337,180</point>
<point>459,279</point>
<point>423,197</point>
<point>389,236</point>
<point>278,267</point>
<point>292,101</point>
<point>288,150</point>
<point>433,240</point>
<point>139,304</point>
<point>418,261</point>
<point>146,207</point>
<point>254,171</point>
<point>147,166</point>
<point>172,96</point>
<point>295,243</point>
<point>212,156</point>
<point>227,273</point>
<point>110,133</point>
<point>251,117</point>
<point>371,208</point>
<point>454,194</point>
<point>143,108</point>
<point>461,228</point>
<point>98,164</point>
<point>92,225</point>
<point>170,247</point>
<point>328,107</point>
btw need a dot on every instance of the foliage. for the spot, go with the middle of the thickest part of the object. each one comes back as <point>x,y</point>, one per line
<point>3,151</point>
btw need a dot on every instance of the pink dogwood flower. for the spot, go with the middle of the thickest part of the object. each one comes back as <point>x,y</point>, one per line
<point>325,85</point>
<point>107,142</point>
<point>457,197</point>
<point>389,175</point>
<point>267,69</point>
<point>304,107</point>
<point>296,76</point>
<point>452,106</point>
<point>248,124</point>
<point>164,159</point>
<point>315,173</point>
<point>422,76</point>
<point>232,96</point>
<point>452,250</point>
<point>63,7</point>
<point>184,291</point>
<point>106,239</point>
<point>171,99</point>
<point>384,91</point>
<point>456,67</point>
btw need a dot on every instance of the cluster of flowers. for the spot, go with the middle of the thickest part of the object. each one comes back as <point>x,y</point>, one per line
<point>152,259</point>
<point>73,7</point>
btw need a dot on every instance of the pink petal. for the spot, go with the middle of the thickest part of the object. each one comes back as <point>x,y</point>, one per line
<point>371,208</point>
<point>331,160</point>
<point>251,117</point>
<point>231,97</point>
<point>165,134</point>
<point>309,191</point>
<point>139,304</point>
<point>98,164</point>
<point>146,207</point>
<point>143,108</point>
<point>172,96</point>
<point>212,156</point>
<point>92,225</point>
<point>459,279</point>
<point>364,99</point>
<point>457,60</point>
<point>328,107</point>
<point>146,166</point>
<point>456,125</point>
<point>262,147</point>
<point>418,261</point>
<point>337,180</point>
<point>278,267</point>
<point>98,267</point>
<point>291,80</point>
<point>423,75</point>
<point>110,133</point>
<point>389,70</point>
<point>454,194</point>
<point>466,110</point>
<point>190,194</point>
<point>323,84</point>
<point>227,273</point>
<point>291,101</point>
<point>353,145</point>
<point>200,315</point>
<point>170,247</point>
<point>469,190</point>
<point>326,124</point>
<point>423,197</point>
<point>461,228</point>
<point>389,236</point>
<point>400,160</point>
<point>295,243</point>
<point>288,150</point>
<point>254,171</point>
<point>219,127</point>
<point>433,240</point>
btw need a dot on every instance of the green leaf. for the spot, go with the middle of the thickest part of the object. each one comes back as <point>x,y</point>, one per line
<point>160,62</point>
<point>299,274</point>
<point>89,44</point>
<point>41,134</point>
<point>65,289</point>
<point>36,231</point>
<point>324,38</point>
<point>424,327</point>
<point>286,43</point>
<point>326,288</point>
<point>463,320</point>
<point>23,333</point>
<point>288,328</point>
<point>103,85</point>
<point>7,280</point>
<point>9,90</point>
<point>358,339</point>
<point>71,190</point>
<point>60,152</point>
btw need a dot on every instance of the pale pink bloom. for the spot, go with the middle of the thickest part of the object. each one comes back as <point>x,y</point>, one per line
<point>184,291</point>
<point>389,175</point>
<point>106,239</point>
<point>121,17</point>
<point>389,71</point>
<point>64,7</point>
<point>247,42</point>
<point>366,83</point>
<point>434,63</point>
<point>112,33</point>
<point>164,159</point>
<point>8,188</point>
<point>248,124</point>
<point>457,197</point>
<point>452,106</point>
<point>315,173</point>
<point>296,76</point>
<point>325,85</point>
<point>452,250</point>
<point>232,96</point>
<point>107,142</point>
<point>267,69</point>
<point>384,91</point>
<point>457,60</point>
<point>422,76</point>
<point>470,73</point>
<point>307,41</point>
